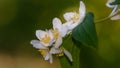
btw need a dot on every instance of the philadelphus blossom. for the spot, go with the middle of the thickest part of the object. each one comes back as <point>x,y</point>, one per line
<point>45,40</point>
<point>50,41</point>
<point>114,11</point>
<point>59,31</point>
<point>74,18</point>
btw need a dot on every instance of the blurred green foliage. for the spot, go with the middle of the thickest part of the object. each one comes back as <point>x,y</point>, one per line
<point>20,18</point>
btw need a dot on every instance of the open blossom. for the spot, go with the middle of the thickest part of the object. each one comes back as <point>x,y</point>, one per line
<point>59,28</point>
<point>45,40</point>
<point>45,37</point>
<point>43,50</point>
<point>114,7</point>
<point>74,18</point>
<point>59,31</point>
<point>50,41</point>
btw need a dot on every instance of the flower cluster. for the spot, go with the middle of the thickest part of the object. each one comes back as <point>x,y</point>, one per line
<point>50,41</point>
<point>115,10</point>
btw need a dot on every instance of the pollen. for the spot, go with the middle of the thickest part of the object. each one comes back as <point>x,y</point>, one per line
<point>43,52</point>
<point>56,33</point>
<point>75,18</point>
<point>60,54</point>
<point>46,39</point>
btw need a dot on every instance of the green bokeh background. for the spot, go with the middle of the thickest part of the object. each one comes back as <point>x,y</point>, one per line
<point>19,19</point>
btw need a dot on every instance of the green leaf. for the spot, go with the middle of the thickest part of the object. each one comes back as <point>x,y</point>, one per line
<point>116,2</point>
<point>75,52</point>
<point>85,33</point>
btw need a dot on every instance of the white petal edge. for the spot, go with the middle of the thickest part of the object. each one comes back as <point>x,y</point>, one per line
<point>37,44</point>
<point>50,34</point>
<point>108,4</point>
<point>67,16</point>
<point>68,55</point>
<point>57,23</point>
<point>74,25</point>
<point>68,25</point>
<point>47,56</point>
<point>51,59</point>
<point>55,50</point>
<point>64,31</point>
<point>114,11</point>
<point>40,34</point>
<point>116,17</point>
<point>82,10</point>
<point>45,44</point>
<point>52,50</point>
<point>58,42</point>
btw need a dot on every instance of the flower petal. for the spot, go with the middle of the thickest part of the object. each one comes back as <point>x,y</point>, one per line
<point>108,4</point>
<point>64,31</point>
<point>37,44</point>
<point>74,25</point>
<point>58,42</point>
<point>68,26</point>
<point>55,50</point>
<point>68,16</point>
<point>82,11</point>
<point>50,34</point>
<point>45,44</point>
<point>57,23</point>
<point>115,10</point>
<point>116,17</point>
<point>51,59</point>
<point>47,56</point>
<point>40,34</point>
<point>68,55</point>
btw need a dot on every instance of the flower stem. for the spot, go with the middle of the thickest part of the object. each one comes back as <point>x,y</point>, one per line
<point>101,20</point>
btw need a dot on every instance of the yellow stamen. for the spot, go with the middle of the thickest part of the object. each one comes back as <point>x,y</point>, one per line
<point>43,52</point>
<point>76,18</point>
<point>46,39</point>
<point>56,33</point>
<point>60,54</point>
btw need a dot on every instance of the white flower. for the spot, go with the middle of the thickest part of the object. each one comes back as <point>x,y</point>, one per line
<point>59,31</point>
<point>45,40</point>
<point>74,18</point>
<point>45,37</point>
<point>114,7</point>
<point>44,50</point>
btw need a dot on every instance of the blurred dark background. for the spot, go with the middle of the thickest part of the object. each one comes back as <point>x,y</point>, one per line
<point>19,19</point>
